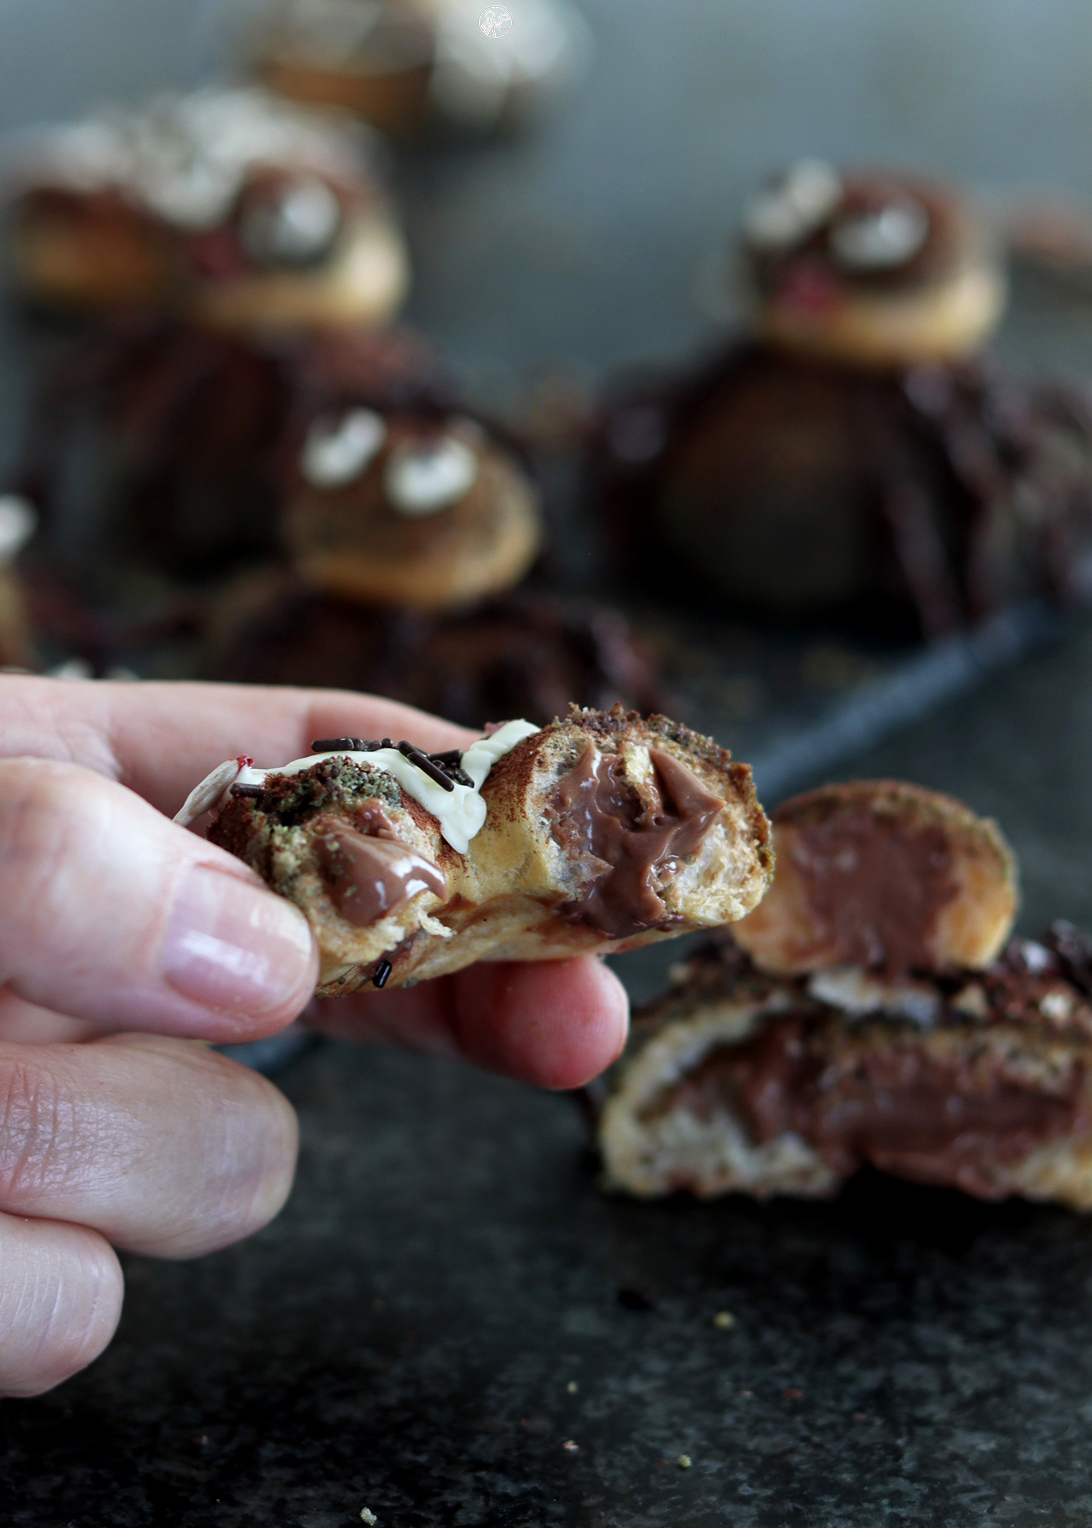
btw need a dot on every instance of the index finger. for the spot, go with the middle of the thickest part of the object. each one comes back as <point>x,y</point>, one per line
<point>161,738</point>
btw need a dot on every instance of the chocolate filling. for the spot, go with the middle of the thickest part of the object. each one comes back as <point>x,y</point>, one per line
<point>368,877</point>
<point>894,1106</point>
<point>600,817</point>
<point>874,890</point>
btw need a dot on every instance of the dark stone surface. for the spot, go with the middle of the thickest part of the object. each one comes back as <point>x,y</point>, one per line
<point>403,1337</point>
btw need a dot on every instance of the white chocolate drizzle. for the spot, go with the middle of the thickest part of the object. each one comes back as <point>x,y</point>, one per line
<point>460,812</point>
<point>338,451</point>
<point>424,476</point>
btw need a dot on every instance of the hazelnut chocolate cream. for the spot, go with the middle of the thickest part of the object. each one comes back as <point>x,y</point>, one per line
<point>997,1074</point>
<point>887,1106</point>
<point>629,842</point>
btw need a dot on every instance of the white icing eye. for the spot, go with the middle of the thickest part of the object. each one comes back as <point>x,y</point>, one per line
<point>337,451</point>
<point>294,225</point>
<point>882,239</point>
<point>425,476</point>
<point>787,213</point>
<point>18,522</point>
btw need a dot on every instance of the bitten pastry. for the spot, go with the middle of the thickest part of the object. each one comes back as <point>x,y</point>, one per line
<point>405,65</point>
<point>420,510</point>
<point>852,458</point>
<point>598,833</point>
<point>227,206</point>
<point>870,1013</point>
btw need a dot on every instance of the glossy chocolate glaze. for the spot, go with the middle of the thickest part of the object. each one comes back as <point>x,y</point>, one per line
<point>883,1100</point>
<point>629,849</point>
<point>896,501</point>
<point>369,876</point>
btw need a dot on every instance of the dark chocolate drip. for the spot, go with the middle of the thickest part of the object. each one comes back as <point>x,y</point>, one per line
<point>628,849</point>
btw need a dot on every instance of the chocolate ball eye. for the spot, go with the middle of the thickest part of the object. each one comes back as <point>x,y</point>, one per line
<point>795,207</point>
<point>881,238</point>
<point>292,224</point>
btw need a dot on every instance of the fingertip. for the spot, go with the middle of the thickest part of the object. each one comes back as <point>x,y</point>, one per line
<point>554,1024</point>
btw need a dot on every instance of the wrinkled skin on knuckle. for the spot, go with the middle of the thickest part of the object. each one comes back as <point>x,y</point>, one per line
<point>242,1160</point>
<point>60,1301</point>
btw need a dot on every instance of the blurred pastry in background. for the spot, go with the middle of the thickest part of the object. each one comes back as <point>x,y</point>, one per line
<point>229,206</point>
<point>871,1011</point>
<point>18,523</point>
<point>405,65</point>
<point>871,269</point>
<point>425,513</point>
<point>854,458</point>
<point>155,442</point>
<point>465,665</point>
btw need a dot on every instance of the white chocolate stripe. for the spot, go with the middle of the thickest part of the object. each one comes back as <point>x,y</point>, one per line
<point>461,812</point>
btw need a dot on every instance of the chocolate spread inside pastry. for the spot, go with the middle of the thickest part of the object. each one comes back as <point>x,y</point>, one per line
<point>600,817</point>
<point>888,1105</point>
<point>368,877</point>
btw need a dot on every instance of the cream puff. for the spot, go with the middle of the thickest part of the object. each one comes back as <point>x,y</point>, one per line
<point>228,206</point>
<point>850,459</point>
<point>407,64</point>
<point>416,511</point>
<point>873,269</point>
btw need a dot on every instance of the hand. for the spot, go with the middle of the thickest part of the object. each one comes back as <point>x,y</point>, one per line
<point>116,921</point>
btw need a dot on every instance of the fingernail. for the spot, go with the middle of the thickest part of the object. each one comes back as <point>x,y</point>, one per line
<point>235,947</point>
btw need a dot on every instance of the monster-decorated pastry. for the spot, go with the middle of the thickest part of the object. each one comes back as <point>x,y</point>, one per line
<point>872,1011</point>
<point>853,458</point>
<point>600,832</point>
<point>407,524</point>
<point>408,64</point>
<point>416,510</point>
<point>230,207</point>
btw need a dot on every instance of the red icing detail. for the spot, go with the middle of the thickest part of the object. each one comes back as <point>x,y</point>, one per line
<point>218,255</point>
<point>808,288</point>
<point>244,761</point>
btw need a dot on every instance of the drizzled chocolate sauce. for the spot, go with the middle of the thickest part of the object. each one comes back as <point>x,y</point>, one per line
<point>601,818</point>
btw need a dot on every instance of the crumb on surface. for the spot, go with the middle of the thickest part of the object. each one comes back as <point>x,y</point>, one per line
<point>572,1387</point>
<point>724,1320</point>
<point>684,1461</point>
<point>569,1446</point>
<point>367,1517</point>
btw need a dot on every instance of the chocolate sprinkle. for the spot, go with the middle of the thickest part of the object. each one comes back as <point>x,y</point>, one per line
<point>247,790</point>
<point>416,756</point>
<point>382,972</point>
<point>344,745</point>
<point>451,763</point>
